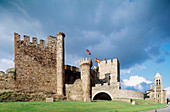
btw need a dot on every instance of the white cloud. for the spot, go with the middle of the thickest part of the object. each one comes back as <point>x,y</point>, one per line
<point>126,70</point>
<point>5,64</point>
<point>168,92</point>
<point>136,83</point>
<point>135,67</point>
<point>135,80</point>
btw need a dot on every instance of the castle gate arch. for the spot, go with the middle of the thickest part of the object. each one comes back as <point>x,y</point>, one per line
<point>102,95</point>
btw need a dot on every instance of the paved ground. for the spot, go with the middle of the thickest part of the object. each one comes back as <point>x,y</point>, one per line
<point>167,109</point>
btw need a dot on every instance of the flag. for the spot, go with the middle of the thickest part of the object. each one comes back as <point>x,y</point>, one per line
<point>97,60</point>
<point>88,51</point>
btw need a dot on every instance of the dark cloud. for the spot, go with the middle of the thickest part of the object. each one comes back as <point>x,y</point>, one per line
<point>133,31</point>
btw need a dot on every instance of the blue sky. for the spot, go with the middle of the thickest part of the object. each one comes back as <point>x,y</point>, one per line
<point>137,32</point>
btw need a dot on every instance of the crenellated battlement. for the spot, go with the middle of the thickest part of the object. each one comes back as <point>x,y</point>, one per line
<point>104,86</point>
<point>2,73</point>
<point>107,84</point>
<point>85,61</point>
<point>42,43</point>
<point>41,46</point>
<point>34,41</point>
<point>7,81</point>
<point>16,36</point>
<point>27,45</point>
<point>51,41</point>
<point>109,61</point>
<point>71,68</point>
<point>60,34</point>
<point>26,39</point>
<point>38,52</point>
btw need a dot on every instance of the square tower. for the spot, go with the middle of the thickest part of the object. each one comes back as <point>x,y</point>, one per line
<point>159,94</point>
<point>110,69</point>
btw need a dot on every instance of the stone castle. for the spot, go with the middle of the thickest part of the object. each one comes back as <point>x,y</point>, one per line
<point>41,68</point>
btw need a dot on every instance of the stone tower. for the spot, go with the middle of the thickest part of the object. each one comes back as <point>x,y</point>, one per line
<point>156,92</point>
<point>60,63</point>
<point>158,88</point>
<point>110,68</point>
<point>85,66</point>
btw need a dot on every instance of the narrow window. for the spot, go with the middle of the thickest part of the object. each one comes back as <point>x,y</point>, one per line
<point>156,82</point>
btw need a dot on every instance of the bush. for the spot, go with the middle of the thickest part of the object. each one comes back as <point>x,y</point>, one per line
<point>24,97</point>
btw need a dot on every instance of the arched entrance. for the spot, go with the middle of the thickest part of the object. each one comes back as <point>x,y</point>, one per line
<point>102,96</point>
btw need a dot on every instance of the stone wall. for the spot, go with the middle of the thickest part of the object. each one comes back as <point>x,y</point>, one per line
<point>74,91</point>
<point>7,82</point>
<point>150,95</point>
<point>128,94</point>
<point>71,74</point>
<point>123,100</point>
<point>106,86</point>
<point>94,77</point>
<point>114,92</point>
<point>164,97</point>
<point>35,64</point>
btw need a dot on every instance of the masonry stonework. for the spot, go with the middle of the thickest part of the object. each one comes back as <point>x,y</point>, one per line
<point>35,65</point>
<point>60,63</point>
<point>85,66</point>
<point>7,81</point>
<point>41,68</point>
<point>74,91</point>
<point>157,93</point>
<point>109,68</point>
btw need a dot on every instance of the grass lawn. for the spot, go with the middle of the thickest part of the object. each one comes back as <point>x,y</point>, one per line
<point>78,106</point>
